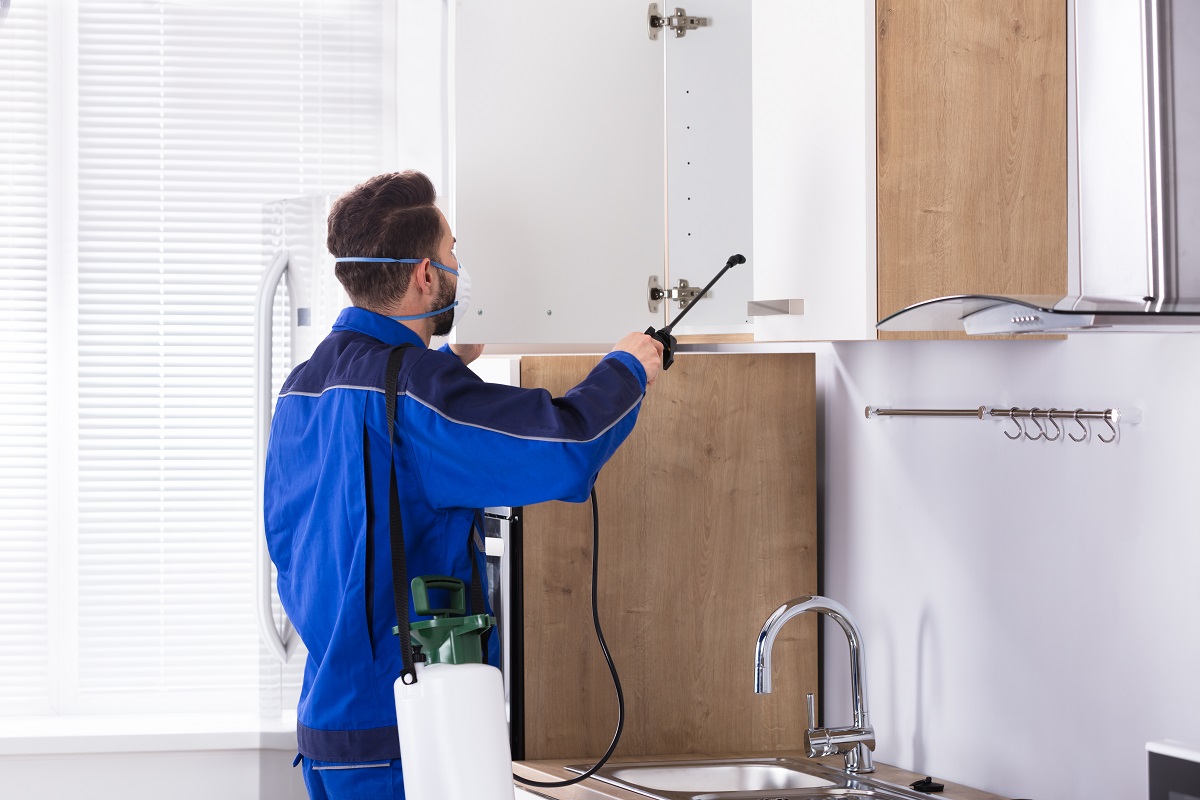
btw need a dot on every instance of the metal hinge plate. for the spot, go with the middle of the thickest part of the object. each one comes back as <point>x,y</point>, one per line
<point>684,293</point>
<point>679,22</point>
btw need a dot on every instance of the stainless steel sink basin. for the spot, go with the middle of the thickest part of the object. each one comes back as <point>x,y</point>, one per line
<point>744,779</point>
<point>707,777</point>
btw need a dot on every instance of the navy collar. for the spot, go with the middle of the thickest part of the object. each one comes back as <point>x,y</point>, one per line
<point>377,326</point>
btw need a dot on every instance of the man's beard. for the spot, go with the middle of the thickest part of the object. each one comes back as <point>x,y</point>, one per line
<point>443,322</point>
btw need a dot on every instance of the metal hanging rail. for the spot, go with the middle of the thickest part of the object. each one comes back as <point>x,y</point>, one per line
<point>1111,416</point>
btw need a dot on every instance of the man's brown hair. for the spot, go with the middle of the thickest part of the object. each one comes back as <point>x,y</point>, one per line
<point>388,216</point>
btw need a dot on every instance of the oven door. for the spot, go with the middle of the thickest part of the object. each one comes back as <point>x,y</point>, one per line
<point>502,542</point>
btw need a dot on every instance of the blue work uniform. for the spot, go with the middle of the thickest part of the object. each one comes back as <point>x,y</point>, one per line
<point>461,445</point>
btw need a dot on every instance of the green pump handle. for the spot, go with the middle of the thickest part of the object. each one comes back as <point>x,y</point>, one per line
<point>457,593</point>
<point>450,637</point>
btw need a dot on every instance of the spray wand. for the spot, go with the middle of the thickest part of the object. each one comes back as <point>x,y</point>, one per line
<point>664,334</point>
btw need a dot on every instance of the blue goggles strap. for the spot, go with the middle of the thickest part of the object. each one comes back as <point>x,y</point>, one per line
<point>346,259</point>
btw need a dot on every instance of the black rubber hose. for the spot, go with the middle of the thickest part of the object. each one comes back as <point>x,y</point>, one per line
<point>611,668</point>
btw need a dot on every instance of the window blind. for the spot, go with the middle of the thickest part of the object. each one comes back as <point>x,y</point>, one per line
<point>190,117</point>
<point>24,526</point>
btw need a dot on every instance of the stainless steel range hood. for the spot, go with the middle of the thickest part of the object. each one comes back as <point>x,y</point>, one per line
<point>980,315</point>
<point>1133,184</point>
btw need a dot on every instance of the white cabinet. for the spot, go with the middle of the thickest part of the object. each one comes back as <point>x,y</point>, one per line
<point>588,157</point>
<point>814,167</point>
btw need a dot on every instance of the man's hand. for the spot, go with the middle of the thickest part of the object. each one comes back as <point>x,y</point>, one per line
<point>467,352</point>
<point>645,349</point>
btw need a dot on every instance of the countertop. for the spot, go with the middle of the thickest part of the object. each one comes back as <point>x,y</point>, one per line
<point>596,790</point>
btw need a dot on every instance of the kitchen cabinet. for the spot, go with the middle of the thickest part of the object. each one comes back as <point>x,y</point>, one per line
<point>961,111</point>
<point>863,155</point>
<point>813,154</point>
<point>707,525</point>
<point>589,157</point>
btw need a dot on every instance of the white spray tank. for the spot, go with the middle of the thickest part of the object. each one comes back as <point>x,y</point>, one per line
<point>453,732</point>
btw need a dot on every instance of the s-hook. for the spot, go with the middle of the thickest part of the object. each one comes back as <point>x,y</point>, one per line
<point>1108,420</point>
<point>1082,427</point>
<point>1012,414</point>
<point>1042,430</point>
<point>1057,427</point>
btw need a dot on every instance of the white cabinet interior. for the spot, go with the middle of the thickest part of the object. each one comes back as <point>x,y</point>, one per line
<point>709,213</point>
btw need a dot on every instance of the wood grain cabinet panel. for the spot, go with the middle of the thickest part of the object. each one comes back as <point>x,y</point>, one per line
<point>971,149</point>
<point>707,524</point>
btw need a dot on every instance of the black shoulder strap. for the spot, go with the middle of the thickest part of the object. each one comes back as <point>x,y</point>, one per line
<point>475,548</point>
<point>396,525</point>
<point>399,567</point>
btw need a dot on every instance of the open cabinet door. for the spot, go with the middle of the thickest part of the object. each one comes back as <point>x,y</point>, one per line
<point>558,154</point>
<point>707,525</point>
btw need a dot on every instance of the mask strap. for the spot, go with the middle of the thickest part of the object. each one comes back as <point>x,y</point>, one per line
<point>352,259</point>
<point>435,312</point>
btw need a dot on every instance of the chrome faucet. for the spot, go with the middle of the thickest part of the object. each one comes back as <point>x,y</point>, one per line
<point>855,743</point>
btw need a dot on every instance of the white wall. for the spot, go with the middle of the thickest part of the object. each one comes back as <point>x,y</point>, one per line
<point>1031,610</point>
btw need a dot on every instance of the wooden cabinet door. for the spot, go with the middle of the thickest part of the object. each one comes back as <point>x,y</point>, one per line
<point>972,149</point>
<point>707,524</point>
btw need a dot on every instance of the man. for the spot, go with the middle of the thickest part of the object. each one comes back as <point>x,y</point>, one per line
<point>460,445</point>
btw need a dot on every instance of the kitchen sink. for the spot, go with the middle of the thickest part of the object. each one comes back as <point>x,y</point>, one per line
<point>744,779</point>
<point>712,778</point>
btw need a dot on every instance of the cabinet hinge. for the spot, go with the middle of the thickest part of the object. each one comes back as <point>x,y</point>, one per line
<point>679,22</point>
<point>684,293</point>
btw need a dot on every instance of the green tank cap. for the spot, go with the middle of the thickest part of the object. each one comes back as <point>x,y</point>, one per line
<point>450,637</point>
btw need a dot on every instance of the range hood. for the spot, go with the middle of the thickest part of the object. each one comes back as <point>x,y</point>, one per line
<point>1133,155</point>
<point>988,315</point>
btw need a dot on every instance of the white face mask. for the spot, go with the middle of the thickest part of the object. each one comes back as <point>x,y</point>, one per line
<point>462,294</point>
<point>462,290</point>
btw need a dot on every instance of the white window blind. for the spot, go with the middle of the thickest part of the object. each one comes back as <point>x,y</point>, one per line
<point>190,116</point>
<point>24,524</point>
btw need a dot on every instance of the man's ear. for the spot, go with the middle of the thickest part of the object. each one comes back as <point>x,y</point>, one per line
<point>422,277</point>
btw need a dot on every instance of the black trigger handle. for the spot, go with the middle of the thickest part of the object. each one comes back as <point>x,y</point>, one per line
<point>668,343</point>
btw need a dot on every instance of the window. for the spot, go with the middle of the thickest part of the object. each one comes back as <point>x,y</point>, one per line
<point>140,141</point>
<point>24,346</point>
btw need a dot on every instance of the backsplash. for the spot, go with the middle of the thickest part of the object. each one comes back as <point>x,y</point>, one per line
<point>1031,609</point>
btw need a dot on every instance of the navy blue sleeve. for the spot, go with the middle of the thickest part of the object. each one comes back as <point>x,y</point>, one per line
<point>477,444</point>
